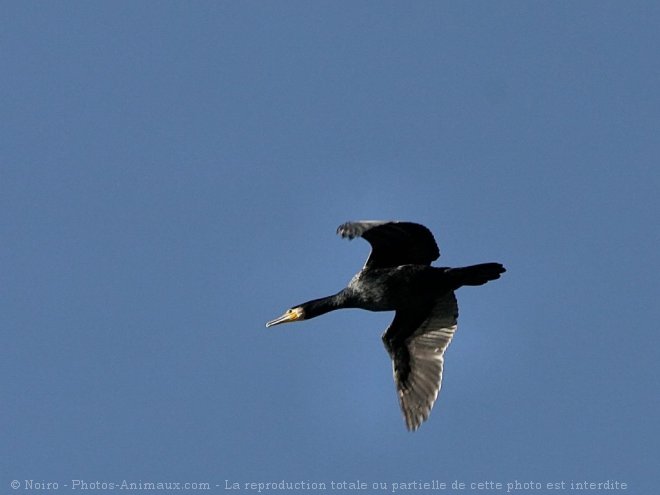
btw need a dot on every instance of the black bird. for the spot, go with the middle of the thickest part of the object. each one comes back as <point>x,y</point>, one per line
<point>398,276</point>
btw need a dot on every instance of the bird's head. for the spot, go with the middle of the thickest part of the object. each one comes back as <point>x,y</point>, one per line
<point>311,309</point>
<point>293,314</point>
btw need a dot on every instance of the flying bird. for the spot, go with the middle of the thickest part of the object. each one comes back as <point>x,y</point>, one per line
<point>398,276</point>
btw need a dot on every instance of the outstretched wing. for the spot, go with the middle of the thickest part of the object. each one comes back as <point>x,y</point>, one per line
<point>416,341</point>
<point>394,243</point>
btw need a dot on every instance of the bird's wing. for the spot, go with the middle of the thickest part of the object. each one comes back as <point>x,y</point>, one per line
<point>394,243</point>
<point>416,341</point>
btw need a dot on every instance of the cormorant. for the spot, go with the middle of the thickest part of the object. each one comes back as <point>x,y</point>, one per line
<point>398,276</point>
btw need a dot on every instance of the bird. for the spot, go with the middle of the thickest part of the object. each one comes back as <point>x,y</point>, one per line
<point>398,276</point>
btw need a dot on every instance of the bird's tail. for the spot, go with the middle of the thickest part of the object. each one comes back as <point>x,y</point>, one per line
<point>476,274</point>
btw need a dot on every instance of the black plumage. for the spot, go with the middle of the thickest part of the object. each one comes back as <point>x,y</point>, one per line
<point>398,276</point>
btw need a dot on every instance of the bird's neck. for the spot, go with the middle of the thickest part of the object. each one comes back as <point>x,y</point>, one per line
<point>318,307</point>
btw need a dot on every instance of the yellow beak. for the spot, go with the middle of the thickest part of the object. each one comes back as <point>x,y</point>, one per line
<point>291,315</point>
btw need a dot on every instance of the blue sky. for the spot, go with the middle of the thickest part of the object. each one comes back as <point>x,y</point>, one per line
<point>172,175</point>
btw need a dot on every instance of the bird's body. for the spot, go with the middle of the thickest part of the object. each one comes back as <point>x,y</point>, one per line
<point>397,288</point>
<point>391,289</point>
<point>398,277</point>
